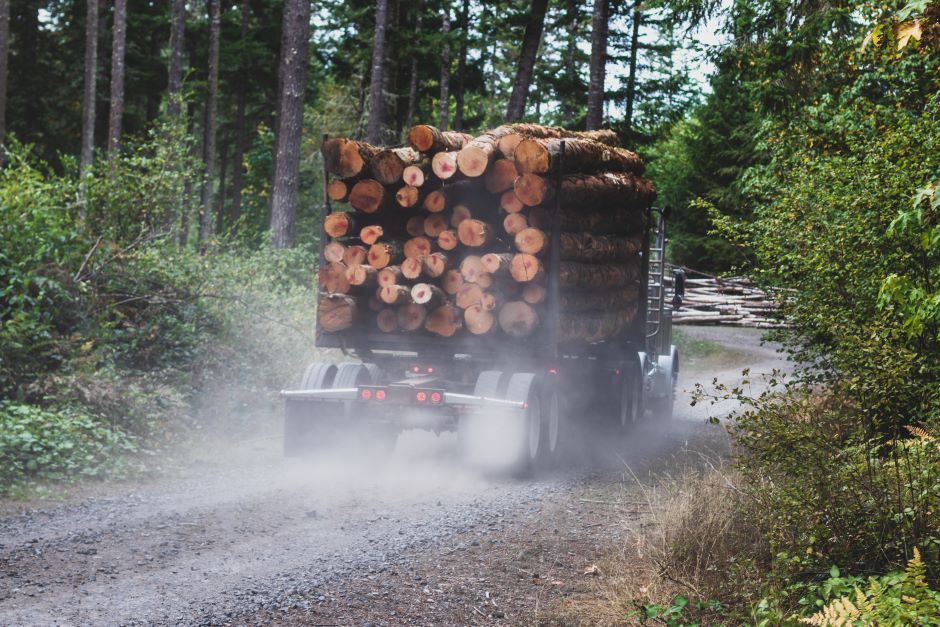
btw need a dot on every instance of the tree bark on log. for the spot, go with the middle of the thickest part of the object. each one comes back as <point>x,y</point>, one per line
<point>389,165</point>
<point>431,140</point>
<point>518,319</point>
<point>624,221</point>
<point>444,321</point>
<point>597,276</point>
<point>500,176</point>
<point>577,300</point>
<point>518,132</point>
<point>336,312</point>
<point>595,327</point>
<point>541,156</point>
<point>590,248</point>
<point>346,158</point>
<point>598,191</point>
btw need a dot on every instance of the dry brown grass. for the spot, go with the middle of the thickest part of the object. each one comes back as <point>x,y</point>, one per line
<point>693,541</point>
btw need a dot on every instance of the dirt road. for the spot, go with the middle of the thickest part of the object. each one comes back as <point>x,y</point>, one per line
<point>252,538</point>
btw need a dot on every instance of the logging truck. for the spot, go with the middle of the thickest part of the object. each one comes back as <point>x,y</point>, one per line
<point>507,287</point>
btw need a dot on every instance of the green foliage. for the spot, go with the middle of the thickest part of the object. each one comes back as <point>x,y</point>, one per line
<point>681,613</point>
<point>61,444</point>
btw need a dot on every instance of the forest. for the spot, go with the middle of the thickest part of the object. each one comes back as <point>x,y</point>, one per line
<point>161,190</point>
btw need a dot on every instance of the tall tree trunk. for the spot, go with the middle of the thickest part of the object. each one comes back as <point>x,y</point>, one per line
<point>175,82</point>
<point>116,116</point>
<point>631,81</point>
<point>290,119</point>
<point>186,206</point>
<point>413,87</point>
<point>223,166</point>
<point>4,70</point>
<point>595,107</point>
<point>212,114</point>
<point>91,76</point>
<point>530,47</point>
<point>241,130</point>
<point>377,77</point>
<point>461,65</point>
<point>445,68</point>
<point>571,53</point>
<point>390,82</point>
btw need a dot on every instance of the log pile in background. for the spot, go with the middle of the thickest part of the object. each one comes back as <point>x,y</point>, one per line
<point>452,236</point>
<point>729,301</point>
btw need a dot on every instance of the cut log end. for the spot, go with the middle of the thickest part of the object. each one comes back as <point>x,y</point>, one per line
<point>337,190</point>
<point>411,317</point>
<point>452,281</point>
<point>434,225</point>
<point>474,233</point>
<point>338,224</point>
<point>532,189</point>
<point>514,222</point>
<point>518,319</point>
<point>389,276</point>
<point>336,313</point>
<point>533,293</point>
<point>414,176</point>
<point>444,165</point>
<point>444,321</point>
<point>435,202</point>
<point>407,196</point>
<point>387,320</point>
<point>411,268</point>
<point>369,235</point>
<point>479,320</point>
<point>361,275</point>
<point>525,268</point>
<point>532,241</point>
<point>500,176</point>
<point>333,278</point>
<point>435,264</point>
<point>417,248</point>
<point>427,294</point>
<point>355,255</point>
<point>509,202</point>
<point>367,196</point>
<point>447,240</point>
<point>334,252</point>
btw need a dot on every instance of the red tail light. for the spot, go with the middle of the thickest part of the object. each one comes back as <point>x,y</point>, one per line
<point>421,397</point>
<point>553,371</point>
<point>365,394</point>
<point>380,395</point>
<point>436,398</point>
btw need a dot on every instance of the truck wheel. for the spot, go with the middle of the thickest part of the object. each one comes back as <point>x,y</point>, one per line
<point>631,394</point>
<point>523,389</point>
<point>471,429</point>
<point>551,422</point>
<point>663,407</point>
<point>300,425</point>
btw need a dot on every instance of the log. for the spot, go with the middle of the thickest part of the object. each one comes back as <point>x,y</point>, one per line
<point>598,248</point>
<point>500,176</point>
<point>411,268</point>
<point>452,281</point>
<point>345,157</point>
<point>415,175</point>
<point>575,300</point>
<point>491,301</point>
<point>355,255</point>
<point>375,304</point>
<point>435,224</point>
<point>417,248</point>
<point>518,132</point>
<point>518,319</point>
<point>336,312</point>
<point>611,190</point>
<point>369,235</point>
<point>334,251</point>
<point>427,294</point>
<point>411,317</point>
<point>337,190</point>
<point>428,139</point>
<point>333,278</point>
<point>339,224</point>
<point>368,196</point>
<point>361,275</point>
<point>459,214</point>
<point>436,201</point>
<point>387,320</point>
<point>474,158</point>
<point>444,321</point>
<point>389,165</point>
<point>596,276</point>
<point>447,240</point>
<point>532,241</point>
<point>415,226</point>
<point>471,268</point>
<point>390,275</point>
<point>461,192</point>
<point>468,294</point>
<point>514,222</point>
<point>474,233</point>
<point>580,155</point>
<point>627,221</point>
<point>533,293</point>
<point>479,321</point>
<point>408,196</point>
<point>435,264</point>
<point>595,327</point>
<point>444,165</point>
<point>395,295</point>
<point>525,268</point>
<point>485,280</point>
<point>382,254</point>
<point>496,263</point>
<point>509,202</point>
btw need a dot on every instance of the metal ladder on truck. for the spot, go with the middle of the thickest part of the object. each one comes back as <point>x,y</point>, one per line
<point>656,318</point>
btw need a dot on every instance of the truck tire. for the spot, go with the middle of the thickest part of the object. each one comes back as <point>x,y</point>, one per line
<point>662,408</point>
<point>522,388</point>
<point>631,397</point>
<point>299,425</point>
<point>552,422</point>
<point>489,384</point>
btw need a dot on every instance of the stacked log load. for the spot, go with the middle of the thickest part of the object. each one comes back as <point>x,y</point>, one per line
<point>452,235</point>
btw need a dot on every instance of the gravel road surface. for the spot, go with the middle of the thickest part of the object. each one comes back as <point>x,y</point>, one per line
<point>251,538</point>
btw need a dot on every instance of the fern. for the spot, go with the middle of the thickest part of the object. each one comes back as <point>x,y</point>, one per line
<point>916,571</point>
